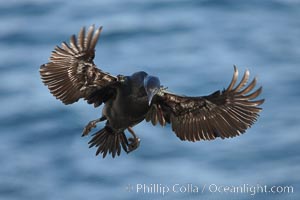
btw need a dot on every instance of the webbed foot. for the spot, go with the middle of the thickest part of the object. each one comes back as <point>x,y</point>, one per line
<point>91,125</point>
<point>134,143</point>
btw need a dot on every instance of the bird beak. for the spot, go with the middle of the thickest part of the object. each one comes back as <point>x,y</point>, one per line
<point>150,97</point>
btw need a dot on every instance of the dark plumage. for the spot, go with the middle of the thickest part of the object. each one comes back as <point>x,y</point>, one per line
<point>71,74</point>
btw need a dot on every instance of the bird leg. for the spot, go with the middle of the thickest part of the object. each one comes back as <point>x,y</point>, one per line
<point>134,142</point>
<point>92,124</point>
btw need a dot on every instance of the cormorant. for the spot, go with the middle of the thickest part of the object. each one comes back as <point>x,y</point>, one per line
<point>71,75</point>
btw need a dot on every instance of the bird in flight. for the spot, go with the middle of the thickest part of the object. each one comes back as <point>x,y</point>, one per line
<point>71,75</point>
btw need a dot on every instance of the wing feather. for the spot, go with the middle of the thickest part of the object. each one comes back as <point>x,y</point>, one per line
<point>71,73</point>
<point>224,114</point>
<point>81,38</point>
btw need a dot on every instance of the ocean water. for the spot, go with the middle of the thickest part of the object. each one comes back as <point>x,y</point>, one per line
<point>191,45</point>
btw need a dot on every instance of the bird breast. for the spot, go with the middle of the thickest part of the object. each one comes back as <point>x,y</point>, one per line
<point>126,109</point>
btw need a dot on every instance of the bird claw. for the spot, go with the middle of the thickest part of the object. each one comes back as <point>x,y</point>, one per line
<point>134,144</point>
<point>88,128</point>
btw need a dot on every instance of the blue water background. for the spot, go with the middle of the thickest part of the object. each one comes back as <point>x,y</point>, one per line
<point>191,45</point>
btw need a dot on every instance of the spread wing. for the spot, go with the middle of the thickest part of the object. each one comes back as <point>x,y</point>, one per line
<point>224,114</point>
<point>71,73</point>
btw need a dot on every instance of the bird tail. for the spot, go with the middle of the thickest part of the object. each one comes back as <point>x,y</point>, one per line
<point>109,141</point>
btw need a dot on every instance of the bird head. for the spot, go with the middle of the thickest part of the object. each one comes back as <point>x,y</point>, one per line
<point>152,87</point>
